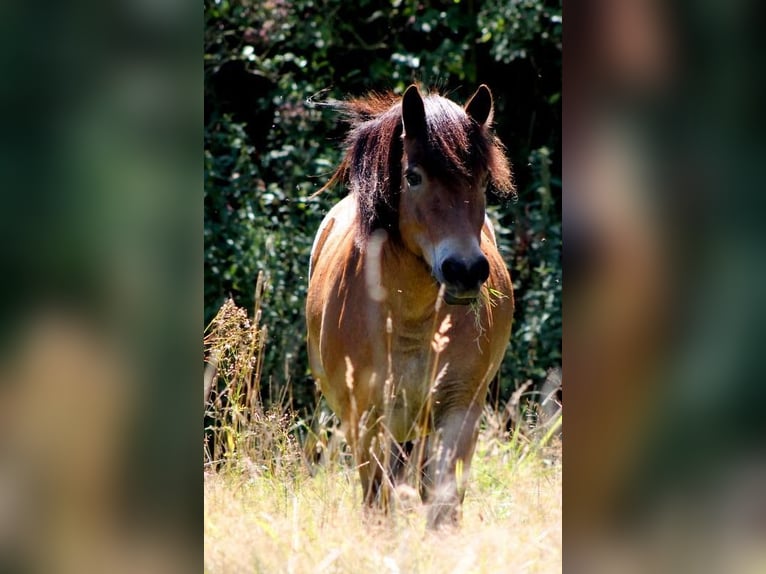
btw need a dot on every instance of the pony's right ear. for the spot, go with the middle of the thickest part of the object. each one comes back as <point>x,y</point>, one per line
<point>480,105</point>
<point>413,112</point>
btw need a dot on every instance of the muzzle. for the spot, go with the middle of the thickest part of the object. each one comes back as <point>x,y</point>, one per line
<point>462,278</point>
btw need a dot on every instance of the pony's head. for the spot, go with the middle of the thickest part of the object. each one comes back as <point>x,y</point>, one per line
<point>420,167</point>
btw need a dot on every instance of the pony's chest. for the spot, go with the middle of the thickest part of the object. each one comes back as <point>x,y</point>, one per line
<point>410,368</point>
<point>410,377</point>
<point>410,361</point>
<point>412,356</point>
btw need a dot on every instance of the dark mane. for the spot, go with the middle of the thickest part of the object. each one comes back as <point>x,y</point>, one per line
<point>455,146</point>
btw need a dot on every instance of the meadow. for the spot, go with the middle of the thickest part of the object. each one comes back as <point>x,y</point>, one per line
<point>282,495</point>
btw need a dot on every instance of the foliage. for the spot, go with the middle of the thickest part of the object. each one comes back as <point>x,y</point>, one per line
<point>520,29</point>
<point>536,271</point>
<point>267,151</point>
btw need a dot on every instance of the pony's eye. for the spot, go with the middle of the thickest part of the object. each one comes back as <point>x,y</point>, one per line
<point>413,178</point>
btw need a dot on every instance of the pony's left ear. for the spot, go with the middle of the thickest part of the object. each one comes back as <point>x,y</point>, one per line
<point>479,106</point>
<point>413,112</point>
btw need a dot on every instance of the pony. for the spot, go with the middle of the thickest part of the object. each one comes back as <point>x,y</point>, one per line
<point>409,303</point>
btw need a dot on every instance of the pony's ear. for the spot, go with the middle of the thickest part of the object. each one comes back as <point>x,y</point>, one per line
<point>413,112</point>
<point>479,106</point>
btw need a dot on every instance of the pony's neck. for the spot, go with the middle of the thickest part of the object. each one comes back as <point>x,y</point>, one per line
<point>411,291</point>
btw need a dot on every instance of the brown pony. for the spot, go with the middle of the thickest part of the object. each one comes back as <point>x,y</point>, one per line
<point>409,304</point>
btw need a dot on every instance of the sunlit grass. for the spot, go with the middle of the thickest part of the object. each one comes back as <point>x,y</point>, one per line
<point>271,507</point>
<point>263,523</point>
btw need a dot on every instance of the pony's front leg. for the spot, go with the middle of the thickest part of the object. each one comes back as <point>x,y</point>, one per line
<point>379,464</point>
<point>370,473</point>
<point>451,450</point>
<point>382,467</point>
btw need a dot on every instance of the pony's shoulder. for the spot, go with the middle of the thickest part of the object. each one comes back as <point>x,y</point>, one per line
<point>338,222</point>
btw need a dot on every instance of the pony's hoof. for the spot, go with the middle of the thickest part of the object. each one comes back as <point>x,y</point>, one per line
<point>406,497</point>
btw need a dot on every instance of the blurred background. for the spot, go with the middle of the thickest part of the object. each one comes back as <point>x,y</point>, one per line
<point>268,150</point>
<point>663,148</point>
<point>100,300</point>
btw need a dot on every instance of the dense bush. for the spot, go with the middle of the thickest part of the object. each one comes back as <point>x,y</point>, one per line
<point>267,151</point>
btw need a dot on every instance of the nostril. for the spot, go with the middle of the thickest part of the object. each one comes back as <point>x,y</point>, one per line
<point>479,270</point>
<point>467,274</point>
<point>452,270</point>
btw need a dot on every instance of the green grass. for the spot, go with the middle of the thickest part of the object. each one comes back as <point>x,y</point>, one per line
<point>271,507</point>
<point>261,522</point>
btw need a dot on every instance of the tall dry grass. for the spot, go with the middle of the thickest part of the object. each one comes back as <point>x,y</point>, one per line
<point>282,495</point>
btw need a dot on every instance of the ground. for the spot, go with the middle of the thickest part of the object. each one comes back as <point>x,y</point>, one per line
<point>261,521</point>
